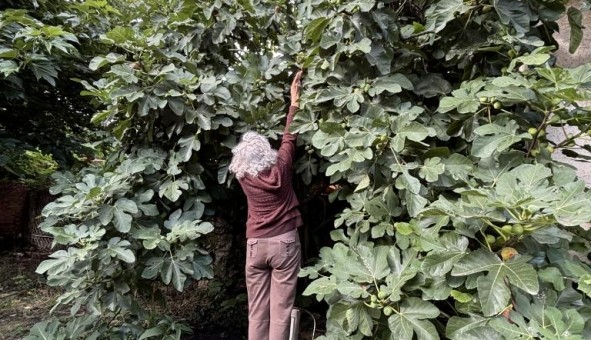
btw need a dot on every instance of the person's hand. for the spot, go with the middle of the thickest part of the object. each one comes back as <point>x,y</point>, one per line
<point>295,88</point>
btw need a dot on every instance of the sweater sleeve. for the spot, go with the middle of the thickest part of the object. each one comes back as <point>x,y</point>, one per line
<point>287,150</point>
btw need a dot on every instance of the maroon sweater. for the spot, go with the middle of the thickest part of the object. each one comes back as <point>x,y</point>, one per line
<point>272,203</point>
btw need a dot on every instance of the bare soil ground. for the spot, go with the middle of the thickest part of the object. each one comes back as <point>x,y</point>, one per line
<point>25,299</point>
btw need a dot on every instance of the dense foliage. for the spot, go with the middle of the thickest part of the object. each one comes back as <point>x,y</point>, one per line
<point>428,116</point>
<point>19,161</point>
<point>459,222</point>
<point>41,110</point>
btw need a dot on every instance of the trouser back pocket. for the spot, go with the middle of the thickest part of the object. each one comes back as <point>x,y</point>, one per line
<point>252,248</point>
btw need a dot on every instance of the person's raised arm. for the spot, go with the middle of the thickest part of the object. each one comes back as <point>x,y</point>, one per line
<point>287,149</point>
<point>295,100</point>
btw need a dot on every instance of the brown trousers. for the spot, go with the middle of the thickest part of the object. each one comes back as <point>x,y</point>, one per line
<point>272,267</point>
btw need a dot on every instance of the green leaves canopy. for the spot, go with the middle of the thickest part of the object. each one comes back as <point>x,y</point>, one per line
<point>418,112</point>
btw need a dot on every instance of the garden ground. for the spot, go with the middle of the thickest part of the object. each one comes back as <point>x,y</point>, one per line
<point>25,299</point>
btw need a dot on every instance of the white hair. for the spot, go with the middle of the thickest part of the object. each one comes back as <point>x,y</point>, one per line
<point>252,155</point>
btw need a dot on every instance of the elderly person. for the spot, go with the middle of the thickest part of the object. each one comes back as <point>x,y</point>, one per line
<point>273,247</point>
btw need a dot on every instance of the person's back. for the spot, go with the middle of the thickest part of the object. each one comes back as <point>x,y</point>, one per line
<point>272,202</point>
